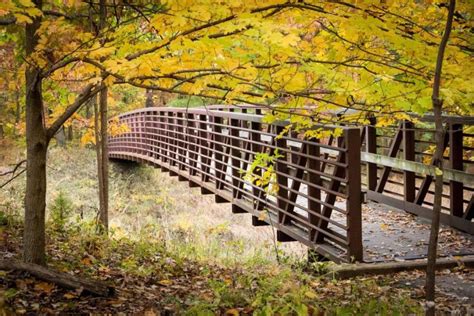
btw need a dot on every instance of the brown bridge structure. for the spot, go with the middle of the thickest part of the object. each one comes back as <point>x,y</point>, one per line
<point>320,184</point>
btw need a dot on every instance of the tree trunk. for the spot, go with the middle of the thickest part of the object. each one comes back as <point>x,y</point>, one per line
<point>149,98</point>
<point>18,108</point>
<point>70,133</point>
<point>61,137</point>
<point>98,150</point>
<point>438,164</point>
<point>104,164</point>
<point>104,212</point>
<point>37,145</point>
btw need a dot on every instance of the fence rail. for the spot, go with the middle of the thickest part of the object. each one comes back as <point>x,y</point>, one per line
<point>214,149</point>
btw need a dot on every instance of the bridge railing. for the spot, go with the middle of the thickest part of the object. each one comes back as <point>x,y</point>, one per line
<point>400,170</point>
<point>315,197</point>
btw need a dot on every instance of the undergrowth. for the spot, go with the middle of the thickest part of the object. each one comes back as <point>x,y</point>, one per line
<point>183,285</point>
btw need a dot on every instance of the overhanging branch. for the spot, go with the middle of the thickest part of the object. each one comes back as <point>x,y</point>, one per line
<point>89,91</point>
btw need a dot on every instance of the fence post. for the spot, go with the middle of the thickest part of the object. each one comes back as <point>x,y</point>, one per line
<point>257,192</point>
<point>313,192</point>
<point>371,147</point>
<point>456,189</point>
<point>236,159</point>
<point>220,166</point>
<point>409,154</point>
<point>172,142</point>
<point>181,145</point>
<point>204,150</point>
<point>354,216</point>
<point>193,157</point>
<point>282,181</point>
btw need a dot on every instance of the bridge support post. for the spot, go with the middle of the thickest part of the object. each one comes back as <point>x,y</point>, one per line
<point>219,161</point>
<point>353,203</point>
<point>282,181</point>
<point>258,193</point>
<point>456,189</point>
<point>205,160</point>
<point>236,162</point>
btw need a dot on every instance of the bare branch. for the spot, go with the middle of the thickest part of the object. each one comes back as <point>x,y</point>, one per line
<point>12,178</point>
<point>14,169</point>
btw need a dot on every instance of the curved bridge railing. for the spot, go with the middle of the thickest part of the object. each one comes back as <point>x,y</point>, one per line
<point>315,197</point>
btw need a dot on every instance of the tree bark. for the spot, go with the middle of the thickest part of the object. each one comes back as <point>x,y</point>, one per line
<point>149,98</point>
<point>18,107</point>
<point>104,212</point>
<point>70,133</point>
<point>104,159</point>
<point>61,137</point>
<point>438,163</point>
<point>98,150</point>
<point>37,145</point>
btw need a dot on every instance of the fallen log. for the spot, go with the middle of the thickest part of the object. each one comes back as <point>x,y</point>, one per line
<point>346,271</point>
<point>62,279</point>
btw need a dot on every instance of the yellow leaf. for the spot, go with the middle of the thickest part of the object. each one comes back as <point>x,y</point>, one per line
<point>232,312</point>
<point>262,216</point>
<point>165,282</point>
<point>20,18</point>
<point>438,172</point>
<point>383,226</point>
<point>44,287</point>
<point>310,294</point>
<point>69,295</point>
<point>86,261</point>
<point>26,3</point>
<point>71,98</point>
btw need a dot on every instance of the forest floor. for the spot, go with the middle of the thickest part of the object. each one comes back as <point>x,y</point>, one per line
<point>172,251</point>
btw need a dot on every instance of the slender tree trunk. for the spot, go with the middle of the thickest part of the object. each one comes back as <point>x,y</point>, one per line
<point>18,108</point>
<point>37,146</point>
<point>70,133</point>
<point>103,156</point>
<point>104,212</point>
<point>438,163</point>
<point>61,137</point>
<point>98,150</point>
<point>149,98</point>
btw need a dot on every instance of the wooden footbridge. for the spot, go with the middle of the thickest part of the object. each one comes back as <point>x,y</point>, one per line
<point>321,183</point>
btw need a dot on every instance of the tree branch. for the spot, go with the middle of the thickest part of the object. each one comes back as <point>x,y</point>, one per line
<point>8,20</point>
<point>14,169</point>
<point>89,91</point>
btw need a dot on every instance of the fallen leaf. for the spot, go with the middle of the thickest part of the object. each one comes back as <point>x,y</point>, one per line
<point>44,287</point>
<point>165,282</point>
<point>86,261</point>
<point>310,294</point>
<point>383,226</point>
<point>232,312</point>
